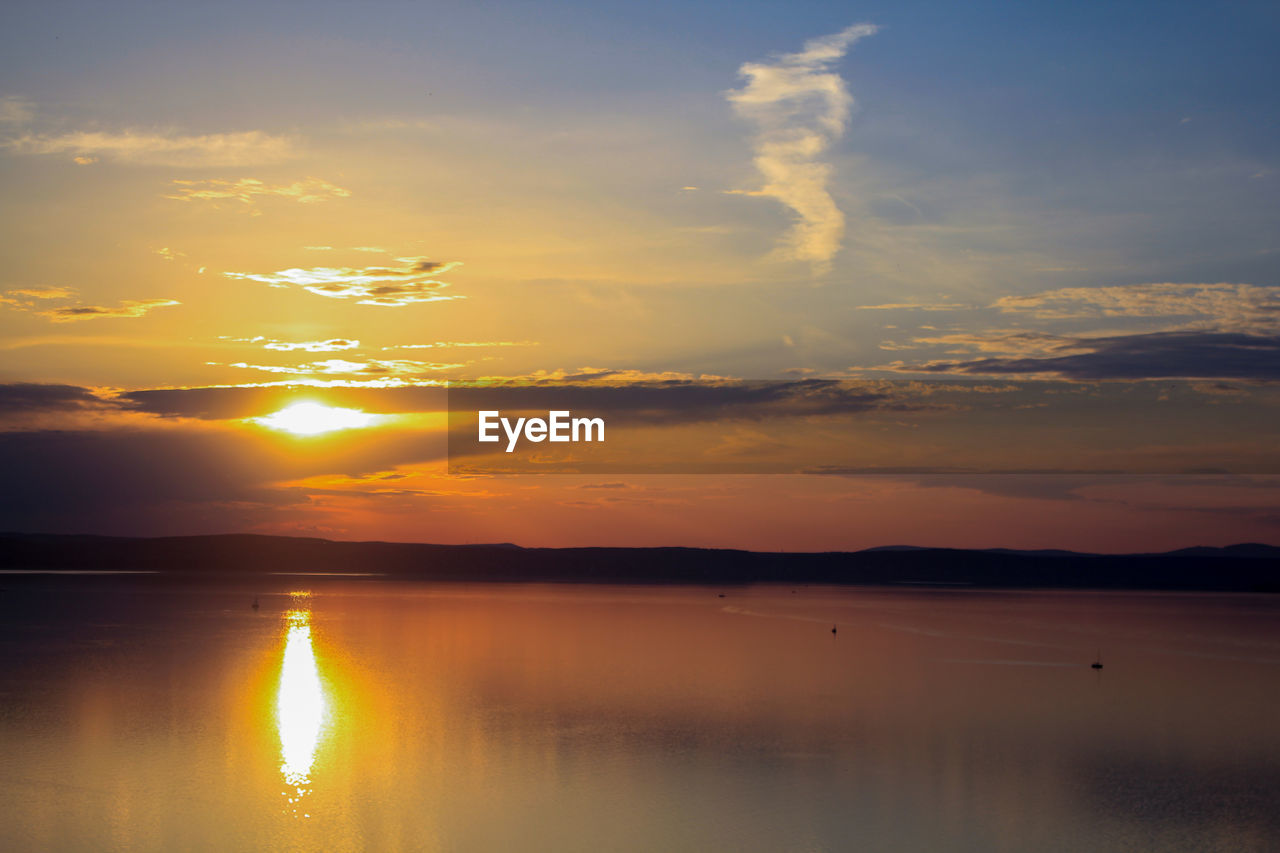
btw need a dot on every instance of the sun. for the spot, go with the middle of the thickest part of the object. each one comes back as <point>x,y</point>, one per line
<point>313,418</point>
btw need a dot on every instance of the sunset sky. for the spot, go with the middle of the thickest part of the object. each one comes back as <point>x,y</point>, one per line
<point>213,212</point>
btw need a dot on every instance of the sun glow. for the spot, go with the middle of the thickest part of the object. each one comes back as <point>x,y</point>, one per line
<point>313,418</point>
<point>300,706</point>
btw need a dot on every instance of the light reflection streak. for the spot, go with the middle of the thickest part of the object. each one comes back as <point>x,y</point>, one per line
<point>300,704</point>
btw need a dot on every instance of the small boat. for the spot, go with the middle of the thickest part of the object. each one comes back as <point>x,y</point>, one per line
<point>833,629</point>
<point>1097,662</point>
<point>255,603</point>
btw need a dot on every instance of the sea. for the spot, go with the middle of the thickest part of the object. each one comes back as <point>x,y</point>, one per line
<point>314,713</point>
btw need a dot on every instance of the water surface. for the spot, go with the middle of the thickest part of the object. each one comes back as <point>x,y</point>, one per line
<point>140,713</point>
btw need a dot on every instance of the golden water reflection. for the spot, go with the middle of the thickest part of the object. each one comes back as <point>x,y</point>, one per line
<point>300,705</point>
<point>548,718</point>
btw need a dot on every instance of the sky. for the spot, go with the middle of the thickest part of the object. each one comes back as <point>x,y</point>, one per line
<point>212,212</point>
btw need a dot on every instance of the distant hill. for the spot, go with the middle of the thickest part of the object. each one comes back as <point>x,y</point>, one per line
<point>1251,550</point>
<point>1249,567</point>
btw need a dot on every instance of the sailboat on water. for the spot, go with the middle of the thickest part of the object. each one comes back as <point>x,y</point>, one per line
<point>1097,661</point>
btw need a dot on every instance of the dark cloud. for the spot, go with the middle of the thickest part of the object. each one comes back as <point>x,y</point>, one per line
<point>666,401</point>
<point>244,402</point>
<point>75,480</point>
<point>28,397</point>
<point>1161,355</point>
<point>694,401</point>
<point>425,266</point>
<point>81,470</point>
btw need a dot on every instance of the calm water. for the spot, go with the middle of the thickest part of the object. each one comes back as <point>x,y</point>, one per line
<point>136,714</point>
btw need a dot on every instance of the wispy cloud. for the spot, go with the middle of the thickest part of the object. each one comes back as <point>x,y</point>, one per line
<point>389,286</point>
<point>915,306</point>
<point>1160,355</point>
<point>799,106</point>
<point>29,297</point>
<point>15,110</point>
<point>334,345</point>
<point>343,367</point>
<point>603,375</point>
<point>162,147</point>
<point>1223,306</point>
<point>1216,331</point>
<point>248,190</point>
<point>1005,342</point>
<point>452,344</point>
<point>331,345</point>
<point>127,308</point>
<point>1192,331</point>
<point>35,300</point>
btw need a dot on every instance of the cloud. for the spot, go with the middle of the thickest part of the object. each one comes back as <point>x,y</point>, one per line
<point>799,106</point>
<point>240,401</point>
<point>601,375</point>
<point>666,402</point>
<point>343,367</point>
<point>377,250</point>
<point>1013,342</point>
<point>162,148</point>
<point>175,477</point>
<point>24,397</point>
<point>821,426</point>
<point>33,299</point>
<point>449,344</point>
<point>389,286</point>
<point>69,471</point>
<point>127,308</point>
<point>1222,306</point>
<point>32,406</point>
<point>658,400</point>
<point>28,297</point>
<point>248,190</point>
<point>1159,355</point>
<point>15,110</point>
<point>1212,331</point>
<point>914,306</point>
<point>332,345</point>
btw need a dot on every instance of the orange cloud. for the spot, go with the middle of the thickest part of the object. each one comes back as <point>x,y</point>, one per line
<point>127,308</point>
<point>388,286</point>
<point>248,190</point>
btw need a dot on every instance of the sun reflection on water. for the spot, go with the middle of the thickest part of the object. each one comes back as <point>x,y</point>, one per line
<point>300,705</point>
